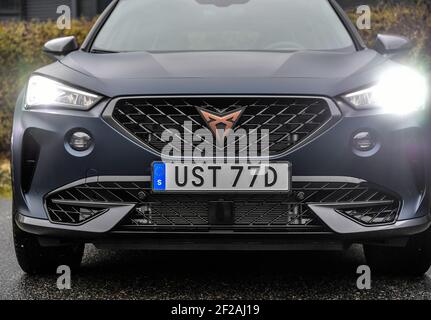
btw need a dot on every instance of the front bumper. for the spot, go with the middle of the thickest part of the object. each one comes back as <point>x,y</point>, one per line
<point>399,166</point>
<point>337,224</point>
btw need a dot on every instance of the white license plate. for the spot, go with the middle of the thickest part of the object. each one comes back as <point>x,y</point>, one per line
<point>221,177</point>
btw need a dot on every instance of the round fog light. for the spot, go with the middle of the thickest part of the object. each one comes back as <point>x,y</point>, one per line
<point>80,141</point>
<point>364,141</point>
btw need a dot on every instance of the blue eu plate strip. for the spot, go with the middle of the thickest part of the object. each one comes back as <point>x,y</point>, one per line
<point>159,176</point>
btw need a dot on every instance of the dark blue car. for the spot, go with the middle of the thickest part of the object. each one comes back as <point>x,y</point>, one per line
<point>223,125</point>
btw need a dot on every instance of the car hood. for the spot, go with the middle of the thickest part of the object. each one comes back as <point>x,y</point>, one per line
<point>134,73</point>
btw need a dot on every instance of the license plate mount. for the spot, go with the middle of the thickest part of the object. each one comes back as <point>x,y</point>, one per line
<point>221,213</point>
<point>221,178</point>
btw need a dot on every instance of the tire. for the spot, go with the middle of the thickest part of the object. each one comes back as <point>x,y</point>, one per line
<point>35,259</point>
<point>412,260</point>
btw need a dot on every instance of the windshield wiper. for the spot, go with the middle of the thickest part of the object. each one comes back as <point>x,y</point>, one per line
<point>95,50</point>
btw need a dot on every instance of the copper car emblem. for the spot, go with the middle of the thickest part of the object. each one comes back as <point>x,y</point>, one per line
<point>221,124</point>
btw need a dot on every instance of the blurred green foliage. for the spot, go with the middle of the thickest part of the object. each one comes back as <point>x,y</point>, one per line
<point>5,182</point>
<point>410,20</point>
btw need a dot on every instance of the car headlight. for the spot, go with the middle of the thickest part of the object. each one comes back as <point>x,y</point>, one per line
<point>400,90</point>
<point>44,92</point>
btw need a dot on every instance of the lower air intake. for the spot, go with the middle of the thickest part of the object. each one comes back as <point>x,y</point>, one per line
<point>72,214</point>
<point>363,203</point>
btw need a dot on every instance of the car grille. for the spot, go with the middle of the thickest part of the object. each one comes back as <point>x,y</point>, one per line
<point>268,212</point>
<point>72,214</point>
<point>378,214</point>
<point>250,212</point>
<point>288,120</point>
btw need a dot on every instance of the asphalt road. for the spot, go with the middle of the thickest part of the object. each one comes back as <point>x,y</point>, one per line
<point>136,275</point>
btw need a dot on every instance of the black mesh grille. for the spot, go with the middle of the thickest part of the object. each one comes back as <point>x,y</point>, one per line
<point>288,120</point>
<point>109,192</point>
<point>72,214</point>
<point>379,214</point>
<point>365,203</point>
<point>251,211</point>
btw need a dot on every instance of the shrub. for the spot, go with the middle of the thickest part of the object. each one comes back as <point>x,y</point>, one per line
<point>5,185</point>
<point>412,21</point>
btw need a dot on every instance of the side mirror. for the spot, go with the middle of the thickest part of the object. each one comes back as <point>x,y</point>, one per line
<point>392,46</point>
<point>60,47</point>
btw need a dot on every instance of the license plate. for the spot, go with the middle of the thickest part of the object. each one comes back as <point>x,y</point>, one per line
<point>221,177</point>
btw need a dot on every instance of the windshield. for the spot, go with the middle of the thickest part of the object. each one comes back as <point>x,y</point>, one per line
<point>223,25</point>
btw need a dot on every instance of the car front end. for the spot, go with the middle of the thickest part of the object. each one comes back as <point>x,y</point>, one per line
<point>88,135</point>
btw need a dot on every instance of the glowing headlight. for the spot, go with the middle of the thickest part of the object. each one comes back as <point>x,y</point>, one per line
<point>400,90</point>
<point>44,92</point>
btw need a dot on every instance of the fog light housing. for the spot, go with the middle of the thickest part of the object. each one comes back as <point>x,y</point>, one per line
<point>80,141</point>
<point>364,141</point>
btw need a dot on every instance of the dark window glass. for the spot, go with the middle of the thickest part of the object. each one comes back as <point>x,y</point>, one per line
<point>211,25</point>
<point>102,4</point>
